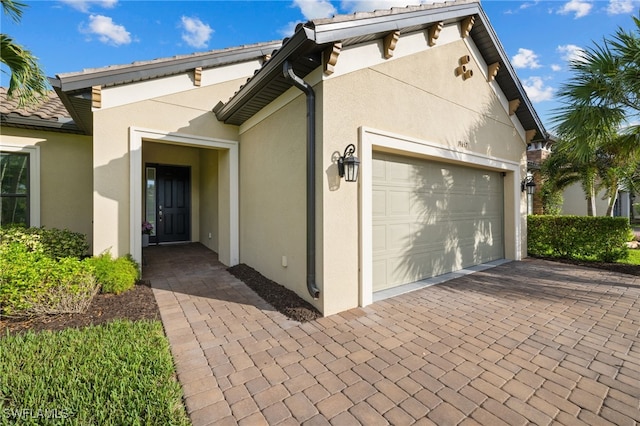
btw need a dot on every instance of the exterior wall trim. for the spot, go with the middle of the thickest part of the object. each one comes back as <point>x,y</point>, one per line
<point>372,139</point>
<point>34,178</point>
<point>136,136</point>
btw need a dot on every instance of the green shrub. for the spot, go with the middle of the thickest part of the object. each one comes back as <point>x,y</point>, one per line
<point>54,243</point>
<point>578,237</point>
<point>31,283</point>
<point>115,275</point>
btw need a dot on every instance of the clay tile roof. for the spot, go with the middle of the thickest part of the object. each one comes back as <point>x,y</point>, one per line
<point>47,114</point>
<point>50,109</point>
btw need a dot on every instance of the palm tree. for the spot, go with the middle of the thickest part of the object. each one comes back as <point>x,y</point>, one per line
<point>600,100</point>
<point>27,82</point>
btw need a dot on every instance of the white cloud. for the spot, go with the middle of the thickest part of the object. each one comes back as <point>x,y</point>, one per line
<point>84,5</point>
<point>289,29</point>
<point>371,5</point>
<point>556,67</point>
<point>107,31</point>
<point>580,8</point>
<point>314,9</point>
<point>571,52</point>
<point>536,90</point>
<point>525,58</point>
<point>196,33</point>
<point>617,7</point>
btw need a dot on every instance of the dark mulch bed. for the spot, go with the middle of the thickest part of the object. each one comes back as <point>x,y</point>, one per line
<point>282,299</point>
<point>621,268</point>
<point>135,304</point>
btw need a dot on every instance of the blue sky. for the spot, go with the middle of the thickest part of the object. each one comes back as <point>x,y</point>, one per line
<point>71,35</point>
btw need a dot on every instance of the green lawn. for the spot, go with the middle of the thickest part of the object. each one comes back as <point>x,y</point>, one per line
<point>633,259</point>
<point>120,373</point>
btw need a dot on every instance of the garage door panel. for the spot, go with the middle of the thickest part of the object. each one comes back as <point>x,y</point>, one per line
<point>379,238</point>
<point>398,203</point>
<point>379,204</point>
<point>438,218</point>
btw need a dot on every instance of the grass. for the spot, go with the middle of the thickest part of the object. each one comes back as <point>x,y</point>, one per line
<point>114,374</point>
<point>633,259</point>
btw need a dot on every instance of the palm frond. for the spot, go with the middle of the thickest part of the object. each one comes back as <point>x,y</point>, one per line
<point>27,83</point>
<point>13,9</point>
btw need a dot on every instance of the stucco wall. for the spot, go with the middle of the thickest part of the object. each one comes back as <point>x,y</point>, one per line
<point>418,96</point>
<point>65,177</point>
<point>209,234</point>
<point>273,196</point>
<point>187,112</point>
<point>575,203</point>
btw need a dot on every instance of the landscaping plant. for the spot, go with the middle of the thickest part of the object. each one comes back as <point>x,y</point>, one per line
<point>32,283</point>
<point>578,237</point>
<point>54,243</point>
<point>115,275</point>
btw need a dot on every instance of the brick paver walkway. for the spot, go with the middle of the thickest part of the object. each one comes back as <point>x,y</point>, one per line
<point>529,342</point>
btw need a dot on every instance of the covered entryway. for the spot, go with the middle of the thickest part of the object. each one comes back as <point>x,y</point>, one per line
<point>431,218</point>
<point>187,187</point>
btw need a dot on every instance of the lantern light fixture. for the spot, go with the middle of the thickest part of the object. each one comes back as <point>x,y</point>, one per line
<point>528,184</point>
<point>349,164</point>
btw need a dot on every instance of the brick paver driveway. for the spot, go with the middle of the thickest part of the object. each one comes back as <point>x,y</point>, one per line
<point>526,342</point>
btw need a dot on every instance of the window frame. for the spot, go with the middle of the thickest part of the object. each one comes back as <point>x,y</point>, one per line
<point>33,191</point>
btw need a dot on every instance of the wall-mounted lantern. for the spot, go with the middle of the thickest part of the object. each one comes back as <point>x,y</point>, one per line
<point>528,184</point>
<point>349,164</point>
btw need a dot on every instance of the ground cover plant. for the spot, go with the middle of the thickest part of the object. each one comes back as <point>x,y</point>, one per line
<point>116,373</point>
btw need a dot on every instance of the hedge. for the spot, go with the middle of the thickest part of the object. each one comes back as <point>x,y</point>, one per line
<point>54,243</point>
<point>578,237</point>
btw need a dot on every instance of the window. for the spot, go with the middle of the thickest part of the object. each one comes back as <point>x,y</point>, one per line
<point>19,186</point>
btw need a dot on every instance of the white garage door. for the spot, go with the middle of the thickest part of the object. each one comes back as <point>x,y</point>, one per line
<point>431,218</point>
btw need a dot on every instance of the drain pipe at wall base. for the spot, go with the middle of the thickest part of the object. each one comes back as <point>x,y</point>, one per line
<point>287,70</point>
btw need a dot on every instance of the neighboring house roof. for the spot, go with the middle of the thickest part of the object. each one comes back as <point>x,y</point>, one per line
<point>47,114</point>
<point>304,51</point>
<point>75,88</point>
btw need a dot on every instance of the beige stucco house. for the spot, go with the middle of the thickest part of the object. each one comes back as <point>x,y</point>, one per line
<point>238,149</point>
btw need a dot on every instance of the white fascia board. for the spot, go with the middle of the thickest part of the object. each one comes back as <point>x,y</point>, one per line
<point>143,90</point>
<point>359,56</point>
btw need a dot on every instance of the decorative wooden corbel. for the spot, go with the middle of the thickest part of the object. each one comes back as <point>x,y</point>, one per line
<point>96,97</point>
<point>389,43</point>
<point>330,57</point>
<point>434,32</point>
<point>492,71</point>
<point>513,106</point>
<point>529,134</point>
<point>197,76</point>
<point>466,25</point>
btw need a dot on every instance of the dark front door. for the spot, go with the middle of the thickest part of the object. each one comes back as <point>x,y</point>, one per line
<point>174,204</point>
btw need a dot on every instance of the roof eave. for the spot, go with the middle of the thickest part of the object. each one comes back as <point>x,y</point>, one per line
<point>146,71</point>
<point>39,124</point>
<point>300,41</point>
<point>328,33</point>
<point>542,133</point>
